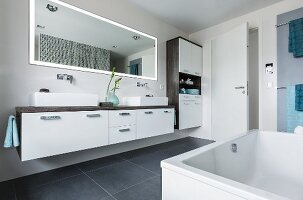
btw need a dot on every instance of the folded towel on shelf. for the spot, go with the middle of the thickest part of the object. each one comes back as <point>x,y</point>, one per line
<point>12,137</point>
<point>295,44</point>
<point>299,97</point>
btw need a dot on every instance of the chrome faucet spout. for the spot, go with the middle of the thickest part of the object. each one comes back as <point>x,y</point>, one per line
<point>66,77</point>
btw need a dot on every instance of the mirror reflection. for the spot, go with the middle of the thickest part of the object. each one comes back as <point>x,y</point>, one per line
<point>66,37</point>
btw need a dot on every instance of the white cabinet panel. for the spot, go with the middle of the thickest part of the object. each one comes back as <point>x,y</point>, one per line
<point>154,122</point>
<point>196,60</point>
<point>122,118</point>
<point>190,111</point>
<point>190,58</point>
<point>185,57</point>
<point>122,134</point>
<point>48,134</point>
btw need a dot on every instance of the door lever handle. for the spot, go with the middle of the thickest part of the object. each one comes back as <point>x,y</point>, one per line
<point>240,88</point>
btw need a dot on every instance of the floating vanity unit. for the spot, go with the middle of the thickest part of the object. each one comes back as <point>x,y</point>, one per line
<point>49,131</point>
<point>184,71</point>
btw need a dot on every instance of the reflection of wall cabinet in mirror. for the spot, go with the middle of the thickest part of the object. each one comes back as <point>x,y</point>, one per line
<point>184,71</point>
<point>64,36</point>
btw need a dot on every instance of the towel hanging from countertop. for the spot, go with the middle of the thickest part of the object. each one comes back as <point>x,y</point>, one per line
<point>295,44</point>
<point>12,137</point>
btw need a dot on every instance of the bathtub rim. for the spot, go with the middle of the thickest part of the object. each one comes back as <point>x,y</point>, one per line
<point>177,165</point>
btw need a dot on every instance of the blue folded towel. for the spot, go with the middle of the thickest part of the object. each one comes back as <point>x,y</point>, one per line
<point>299,97</point>
<point>294,117</point>
<point>12,137</point>
<point>295,44</point>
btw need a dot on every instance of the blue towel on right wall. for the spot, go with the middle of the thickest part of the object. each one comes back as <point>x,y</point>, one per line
<point>295,44</point>
<point>299,97</point>
<point>294,117</point>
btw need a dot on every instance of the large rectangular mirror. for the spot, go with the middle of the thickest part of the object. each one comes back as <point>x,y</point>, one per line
<point>64,36</point>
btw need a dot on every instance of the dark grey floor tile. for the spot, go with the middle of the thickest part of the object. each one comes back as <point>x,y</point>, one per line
<point>7,191</point>
<point>98,163</point>
<point>137,152</point>
<point>151,161</point>
<point>197,142</point>
<point>36,180</point>
<point>117,177</point>
<point>108,198</point>
<point>76,188</point>
<point>149,190</point>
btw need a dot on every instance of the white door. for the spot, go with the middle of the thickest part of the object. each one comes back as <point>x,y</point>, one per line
<point>229,83</point>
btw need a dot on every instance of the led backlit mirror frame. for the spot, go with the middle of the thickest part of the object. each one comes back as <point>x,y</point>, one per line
<point>32,41</point>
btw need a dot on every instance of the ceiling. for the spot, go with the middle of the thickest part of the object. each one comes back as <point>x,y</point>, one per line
<point>194,15</point>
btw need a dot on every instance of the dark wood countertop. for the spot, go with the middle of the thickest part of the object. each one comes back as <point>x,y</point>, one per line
<point>32,109</point>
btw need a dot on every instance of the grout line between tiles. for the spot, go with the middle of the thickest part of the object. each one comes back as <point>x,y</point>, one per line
<point>143,181</point>
<point>97,184</point>
<point>93,170</point>
<point>140,166</point>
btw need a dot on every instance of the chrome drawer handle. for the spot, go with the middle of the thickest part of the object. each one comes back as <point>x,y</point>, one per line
<point>149,112</point>
<point>166,111</point>
<point>187,104</point>
<point>124,130</point>
<point>124,114</point>
<point>93,115</point>
<point>50,117</point>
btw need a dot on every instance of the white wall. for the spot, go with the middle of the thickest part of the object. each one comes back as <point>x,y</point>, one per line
<point>18,79</point>
<point>265,20</point>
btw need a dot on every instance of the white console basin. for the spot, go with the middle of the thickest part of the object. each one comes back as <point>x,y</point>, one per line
<point>145,101</point>
<point>63,99</point>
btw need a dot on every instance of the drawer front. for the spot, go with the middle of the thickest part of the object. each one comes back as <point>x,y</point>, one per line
<point>122,134</point>
<point>154,122</point>
<point>187,97</point>
<point>166,121</point>
<point>190,114</point>
<point>48,134</point>
<point>122,118</point>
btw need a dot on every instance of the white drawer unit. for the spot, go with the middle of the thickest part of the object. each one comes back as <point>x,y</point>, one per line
<point>52,133</point>
<point>45,134</point>
<point>190,111</point>
<point>154,122</point>
<point>122,134</point>
<point>122,118</point>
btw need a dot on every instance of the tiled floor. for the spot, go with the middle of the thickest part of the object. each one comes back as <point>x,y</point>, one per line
<point>133,175</point>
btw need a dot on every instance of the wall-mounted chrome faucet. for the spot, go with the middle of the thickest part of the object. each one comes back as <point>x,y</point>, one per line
<point>66,77</point>
<point>139,84</point>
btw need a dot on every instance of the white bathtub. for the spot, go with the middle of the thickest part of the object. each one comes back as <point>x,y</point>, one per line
<point>267,166</point>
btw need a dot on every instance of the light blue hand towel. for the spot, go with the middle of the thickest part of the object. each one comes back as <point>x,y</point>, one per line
<point>12,137</point>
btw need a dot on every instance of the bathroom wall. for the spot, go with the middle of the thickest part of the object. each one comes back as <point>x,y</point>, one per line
<point>290,69</point>
<point>18,79</point>
<point>265,20</point>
